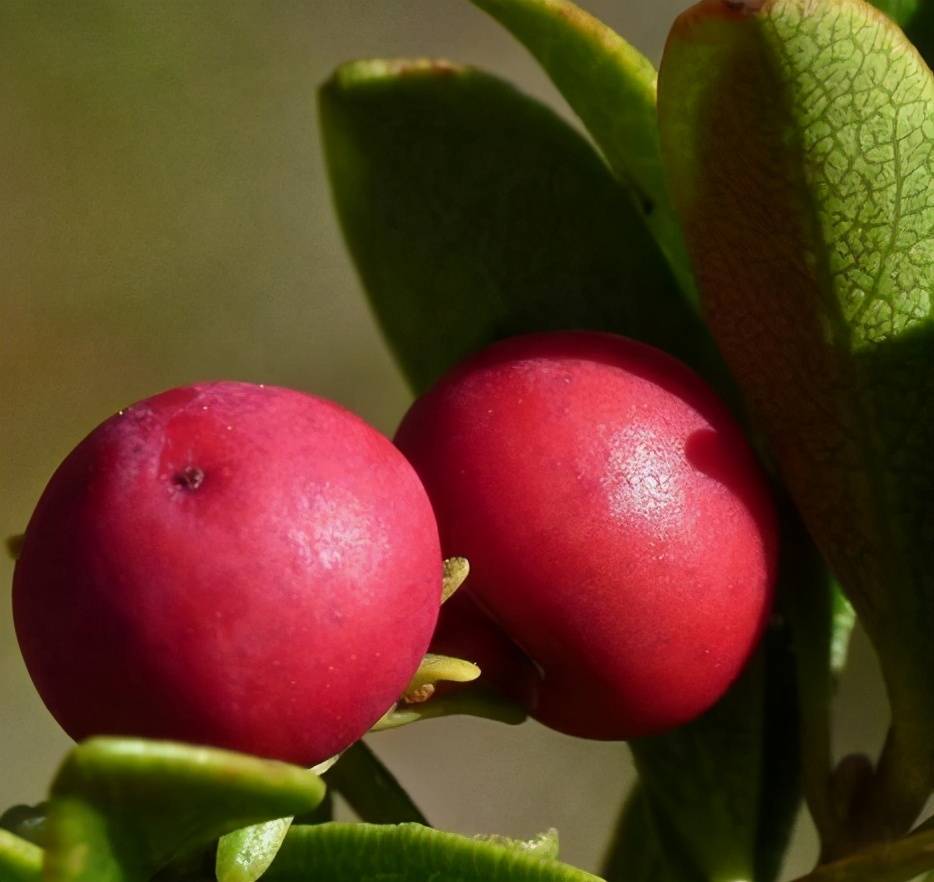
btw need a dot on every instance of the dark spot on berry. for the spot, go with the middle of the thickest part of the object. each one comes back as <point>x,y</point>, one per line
<point>189,478</point>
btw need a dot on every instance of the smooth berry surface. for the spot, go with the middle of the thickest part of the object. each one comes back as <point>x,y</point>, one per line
<point>616,522</point>
<point>227,564</point>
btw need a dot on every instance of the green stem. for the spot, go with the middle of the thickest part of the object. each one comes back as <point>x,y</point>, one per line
<point>371,790</point>
<point>897,861</point>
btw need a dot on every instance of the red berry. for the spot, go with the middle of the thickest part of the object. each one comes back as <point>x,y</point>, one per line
<point>227,564</point>
<point>616,523</point>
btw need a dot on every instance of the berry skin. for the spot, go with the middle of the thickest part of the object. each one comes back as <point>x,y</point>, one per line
<point>616,523</point>
<point>233,565</point>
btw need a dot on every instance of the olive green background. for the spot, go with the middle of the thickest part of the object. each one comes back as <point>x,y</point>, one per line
<point>164,218</point>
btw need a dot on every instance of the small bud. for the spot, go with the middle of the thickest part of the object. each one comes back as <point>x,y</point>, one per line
<point>417,696</point>
<point>456,570</point>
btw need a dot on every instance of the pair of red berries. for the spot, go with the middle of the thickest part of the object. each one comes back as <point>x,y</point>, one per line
<point>258,569</point>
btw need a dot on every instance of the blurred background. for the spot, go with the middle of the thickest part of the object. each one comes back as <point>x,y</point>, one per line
<point>165,218</point>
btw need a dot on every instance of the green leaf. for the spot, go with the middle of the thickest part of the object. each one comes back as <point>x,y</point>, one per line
<point>27,821</point>
<point>916,17</point>
<point>821,622</point>
<point>370,789</point>
<point>244,855</point>
<point>704,782</point>
<point>718,796</point>
<point>545,845</point>
<point>611,87</point>
<point>474,213</point>
<point>842,622</point>
<point>123,808</point>
<point>799,142</point>
<point>20,860</point>
<point>407,853</point>
<point>643,849</point>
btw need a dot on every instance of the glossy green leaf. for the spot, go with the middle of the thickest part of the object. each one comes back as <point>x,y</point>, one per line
<point>474,213</point>
<point>724,788</point>
<point>643,849</point>
<point>611,87</point>
<point>799,142</point>
<point>407,853</point>
<point>20,860</point>
<point>916,17</point>
<point>123,808</point>
<point>244,855</point>
<point>842,622</point>
<point>370,789</point>
<point>718,796</point>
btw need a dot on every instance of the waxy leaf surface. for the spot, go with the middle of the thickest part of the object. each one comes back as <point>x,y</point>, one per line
<point>799,143</point>
<point>474,213</point>
<point>245,854</point>
<point>610,85</point>
<point>123,808</point>
<point>408,853</point>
